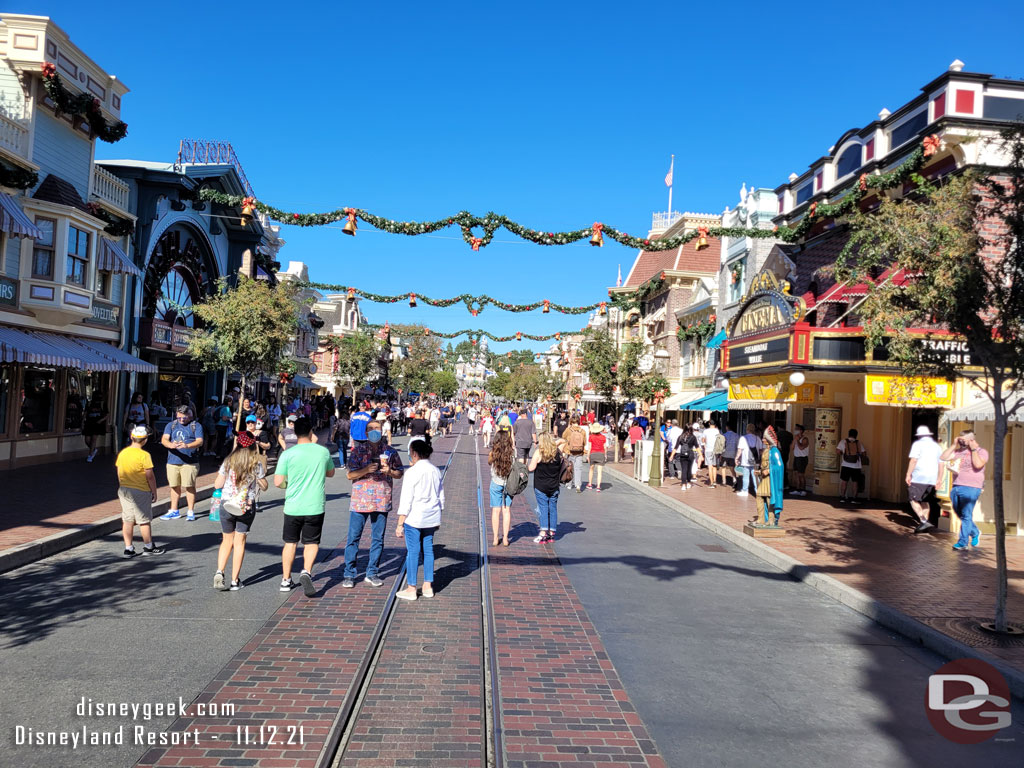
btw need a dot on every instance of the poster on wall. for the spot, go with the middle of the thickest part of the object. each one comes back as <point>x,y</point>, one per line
<point>826,438</point>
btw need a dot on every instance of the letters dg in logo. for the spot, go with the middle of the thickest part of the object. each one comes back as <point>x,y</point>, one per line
<point>968,701</point>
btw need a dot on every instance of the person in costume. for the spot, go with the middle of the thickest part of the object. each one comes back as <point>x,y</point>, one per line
<point>770,481</point>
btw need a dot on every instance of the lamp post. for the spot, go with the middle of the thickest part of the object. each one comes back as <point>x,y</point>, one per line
<point>661,358</point>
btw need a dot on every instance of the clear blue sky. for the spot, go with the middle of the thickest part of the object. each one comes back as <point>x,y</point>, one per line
<point>555,114</point>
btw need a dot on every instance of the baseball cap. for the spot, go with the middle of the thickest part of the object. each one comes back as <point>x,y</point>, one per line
<point>292,417</point>
<point>250,419</point>
<point>140,432</point>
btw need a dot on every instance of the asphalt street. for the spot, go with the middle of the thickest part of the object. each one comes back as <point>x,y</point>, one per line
<point>88,624</point>
<point>730,662</point>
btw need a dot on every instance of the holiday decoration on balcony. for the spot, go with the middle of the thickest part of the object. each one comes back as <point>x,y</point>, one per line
<point>81,105</point>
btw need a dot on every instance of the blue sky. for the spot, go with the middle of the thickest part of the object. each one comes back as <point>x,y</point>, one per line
<point>555,114</point>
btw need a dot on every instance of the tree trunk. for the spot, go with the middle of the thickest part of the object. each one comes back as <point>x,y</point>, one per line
<point>999,413</point>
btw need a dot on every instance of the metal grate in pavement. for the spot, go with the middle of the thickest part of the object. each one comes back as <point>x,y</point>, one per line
<point>966,629</point>
<point>712,547</point>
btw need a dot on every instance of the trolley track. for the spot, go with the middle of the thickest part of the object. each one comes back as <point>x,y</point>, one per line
<point>372,686</point>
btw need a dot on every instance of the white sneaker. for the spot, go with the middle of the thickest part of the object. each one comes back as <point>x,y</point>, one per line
<point>742,493</point>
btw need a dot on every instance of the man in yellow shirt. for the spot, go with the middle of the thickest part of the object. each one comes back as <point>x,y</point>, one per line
<point>137,492</point>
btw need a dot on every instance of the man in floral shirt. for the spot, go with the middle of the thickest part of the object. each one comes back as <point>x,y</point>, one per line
<point>372,467</point>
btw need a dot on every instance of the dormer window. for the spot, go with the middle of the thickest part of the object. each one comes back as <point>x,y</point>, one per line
<point>804,193</point>
<point>848,162</point>
<point>909,129</point>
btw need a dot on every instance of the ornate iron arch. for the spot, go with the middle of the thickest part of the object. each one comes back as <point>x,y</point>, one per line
<point>181,259</point>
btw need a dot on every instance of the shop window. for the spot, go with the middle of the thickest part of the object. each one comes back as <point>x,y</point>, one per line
<point>74,404</point>
<point>103,281</point>
<point>804,193</point>
<point>737,275</point>
<point>78,255</point>
<point>908,130</point>
<point>37,400</point>
<point>6,385</point>
<point>42,251</point>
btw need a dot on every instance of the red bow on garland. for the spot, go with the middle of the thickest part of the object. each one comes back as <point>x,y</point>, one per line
<point>49,69</point>
<point>931,145</point>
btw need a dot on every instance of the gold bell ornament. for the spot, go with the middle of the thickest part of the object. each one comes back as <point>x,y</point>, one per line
<point>547,306</point>
<point>351,294</point>
<point>412,299</point>
<point>248,208</point>
<point>702,237</point>
<point>597,238</point>
<point>350,225</point>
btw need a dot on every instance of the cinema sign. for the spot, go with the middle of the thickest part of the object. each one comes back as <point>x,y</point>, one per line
<point>768,306</point>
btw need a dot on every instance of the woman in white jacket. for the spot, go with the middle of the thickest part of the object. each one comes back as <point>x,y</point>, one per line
<point>419,516</point>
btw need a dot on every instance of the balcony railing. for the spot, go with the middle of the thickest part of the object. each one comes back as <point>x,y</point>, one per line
<point>110,189</point>
<point>14,136</point>
<point>665,219</point>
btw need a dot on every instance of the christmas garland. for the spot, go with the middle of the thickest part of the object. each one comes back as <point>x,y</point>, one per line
<point>475,304</point>
<point>476,335</point>
<point>490,222</point>
<point>115,226</point>
<point>84,105</point>
<point>700,332</point>
<point>655,388</point>
<point>17,178</point>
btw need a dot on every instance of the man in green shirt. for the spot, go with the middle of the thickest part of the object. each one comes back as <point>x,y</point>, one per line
<point>302,471</point>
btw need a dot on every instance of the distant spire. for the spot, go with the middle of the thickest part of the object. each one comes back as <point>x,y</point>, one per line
<point>618,283</point>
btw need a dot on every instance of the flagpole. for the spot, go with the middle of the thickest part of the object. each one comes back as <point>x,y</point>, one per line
<point>671,168</point>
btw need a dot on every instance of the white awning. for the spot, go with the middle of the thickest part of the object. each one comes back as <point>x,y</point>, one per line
<point>757,405</point>
<point>304,383</point>
<point>13,220</point>
<point>113,259</point>
<point>984,411</point>
<point>673,402</point>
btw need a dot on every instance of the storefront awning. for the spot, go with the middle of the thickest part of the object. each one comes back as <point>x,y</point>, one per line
<point>304,383</point>
<point>13,220</point>
<point>88,359</point>
<point>715,401</point>
<point>984,411</point>
<point>124,361</point>
<point>113,259</point>
<point>716,340</point>
<point>26,347</point>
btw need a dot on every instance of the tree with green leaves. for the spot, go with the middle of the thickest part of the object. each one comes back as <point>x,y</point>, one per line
<point>246,329</point>
<point>422,359</point>
<point>443,384</point>
<point>951,256</point>
<point>358,358</point>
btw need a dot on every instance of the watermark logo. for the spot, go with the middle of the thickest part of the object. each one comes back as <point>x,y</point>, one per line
<point>968,701</point>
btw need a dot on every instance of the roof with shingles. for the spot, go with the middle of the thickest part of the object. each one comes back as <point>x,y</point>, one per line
<point>686,257</point>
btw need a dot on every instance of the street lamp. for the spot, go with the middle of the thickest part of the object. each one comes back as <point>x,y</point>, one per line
<point>661,358</point>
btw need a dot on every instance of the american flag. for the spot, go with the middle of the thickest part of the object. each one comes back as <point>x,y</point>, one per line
<point>618,283</point>
<point>668,176</point>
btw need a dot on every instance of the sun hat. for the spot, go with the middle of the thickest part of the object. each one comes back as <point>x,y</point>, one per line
<point>140,431</point>
<point>595,428</point>
<point>923,431</point>
<point>245,439</point>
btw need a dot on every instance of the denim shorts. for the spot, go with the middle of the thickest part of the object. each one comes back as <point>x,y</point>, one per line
<point>498,496</point>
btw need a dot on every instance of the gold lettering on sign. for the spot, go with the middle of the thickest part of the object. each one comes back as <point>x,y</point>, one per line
<point>760,316</point>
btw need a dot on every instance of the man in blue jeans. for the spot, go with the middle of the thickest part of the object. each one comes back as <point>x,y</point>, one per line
<point>967,461</point>
<point>372,467</point>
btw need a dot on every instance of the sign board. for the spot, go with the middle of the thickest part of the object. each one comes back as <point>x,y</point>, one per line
<point>105,314</point>
<point>758,353</point>
<point>762,389</point>
<point>8,291</point>
<point>827,422</point>
<point>768,306</point>
<point>918,392</point>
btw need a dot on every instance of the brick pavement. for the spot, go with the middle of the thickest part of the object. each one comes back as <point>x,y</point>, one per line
<point>872,548</point>
<point>563,703</point>
<point>423,705</point>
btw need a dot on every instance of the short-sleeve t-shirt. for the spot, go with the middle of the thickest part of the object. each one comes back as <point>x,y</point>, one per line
<point>636,434</point>
<point>358,425</point>
<point>305,466</point>
<point>857,448</point>
<point>132,463</point>
<point>927,452</point>
<point>597,442</point>
<point>969,476</point>
<point>373,492</point>
<point>187,433</point>
<point>239,494</point>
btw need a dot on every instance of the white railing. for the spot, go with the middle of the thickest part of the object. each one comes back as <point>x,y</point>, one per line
<point>665,219</point>
<point>107,187</point>
<point>13,136</point>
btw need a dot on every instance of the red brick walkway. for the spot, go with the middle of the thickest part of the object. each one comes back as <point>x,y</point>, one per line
<point>872,548</point>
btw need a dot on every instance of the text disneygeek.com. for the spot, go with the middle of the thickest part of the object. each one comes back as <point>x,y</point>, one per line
<point>143,735</point>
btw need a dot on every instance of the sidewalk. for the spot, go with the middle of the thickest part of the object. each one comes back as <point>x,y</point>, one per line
<point>872,548</point>
<point>52,507</point>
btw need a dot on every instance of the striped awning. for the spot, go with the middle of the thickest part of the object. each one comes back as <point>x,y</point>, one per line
<point>757,405</point>
<point>984,411</point>
<point>89,359</point>
<point>26,347</point>
<point>13,220</point>
<point>124,361</point>
<point>113,259</point>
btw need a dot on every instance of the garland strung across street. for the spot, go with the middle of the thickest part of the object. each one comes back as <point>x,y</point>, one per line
<point>490,222</point>
<point>82,105</point>
<point>475,304</point>
<point>476,335</point>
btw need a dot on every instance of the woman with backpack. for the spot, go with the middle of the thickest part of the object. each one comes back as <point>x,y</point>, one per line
<point>500,459</point>
<point>546,466</point>
<point>241,478</point>
<point>686,448</point>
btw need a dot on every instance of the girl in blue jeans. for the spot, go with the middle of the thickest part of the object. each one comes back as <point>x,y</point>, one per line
<point>419,516</point>
<point>546,466</point>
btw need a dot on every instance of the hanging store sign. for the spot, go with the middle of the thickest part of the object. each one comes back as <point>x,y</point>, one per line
<point>767,307</point>
<point>8,291</point>
<point>918,392</point>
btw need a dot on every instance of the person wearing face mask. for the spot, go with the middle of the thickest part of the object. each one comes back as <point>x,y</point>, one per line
<point>372,467</point>
<point>801,449</point>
